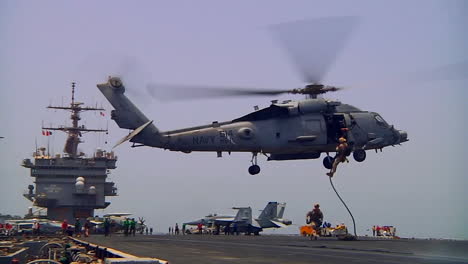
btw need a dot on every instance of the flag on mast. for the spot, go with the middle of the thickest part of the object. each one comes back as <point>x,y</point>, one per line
<point>46,133</point>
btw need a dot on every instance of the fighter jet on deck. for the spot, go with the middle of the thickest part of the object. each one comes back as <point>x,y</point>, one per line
<point>242,222</point>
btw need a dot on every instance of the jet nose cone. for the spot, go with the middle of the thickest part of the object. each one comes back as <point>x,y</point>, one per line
<point>403,136</point>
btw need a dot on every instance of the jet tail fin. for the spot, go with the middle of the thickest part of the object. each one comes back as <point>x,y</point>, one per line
<point>272,216</point>
<point>269,212</point>
<point>281,208</point>
<point>244,214</point>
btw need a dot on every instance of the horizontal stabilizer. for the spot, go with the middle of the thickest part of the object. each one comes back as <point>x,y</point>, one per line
<point>134,133</point>
<point>279,224</point>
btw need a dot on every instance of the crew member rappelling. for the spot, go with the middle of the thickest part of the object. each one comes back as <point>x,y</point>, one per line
<point>341,153</point>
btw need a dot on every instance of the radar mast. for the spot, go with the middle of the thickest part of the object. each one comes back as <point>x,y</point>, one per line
<point>75,131</point>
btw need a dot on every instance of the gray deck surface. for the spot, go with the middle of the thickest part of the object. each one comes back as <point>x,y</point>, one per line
<point>284,249</point>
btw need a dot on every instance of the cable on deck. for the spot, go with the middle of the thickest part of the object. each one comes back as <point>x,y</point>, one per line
<point>352,217</point>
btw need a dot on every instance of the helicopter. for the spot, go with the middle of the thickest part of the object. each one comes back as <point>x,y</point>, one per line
<point>286,130</point>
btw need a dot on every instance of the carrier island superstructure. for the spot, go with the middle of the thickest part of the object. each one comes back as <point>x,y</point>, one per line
<point>71,185</point>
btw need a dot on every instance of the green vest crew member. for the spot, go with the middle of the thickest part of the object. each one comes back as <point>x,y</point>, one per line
<point>132,226</point>
<point>126,225</point>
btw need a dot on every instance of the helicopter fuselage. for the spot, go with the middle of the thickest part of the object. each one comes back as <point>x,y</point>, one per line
<point>284,131</point>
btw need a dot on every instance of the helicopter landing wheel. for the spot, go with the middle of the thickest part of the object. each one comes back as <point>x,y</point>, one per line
<point>359,155</point>
<point>328,162</point>
<point>254,170</point>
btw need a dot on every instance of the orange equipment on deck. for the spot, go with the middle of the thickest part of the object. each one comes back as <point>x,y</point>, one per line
<point>308,230</point>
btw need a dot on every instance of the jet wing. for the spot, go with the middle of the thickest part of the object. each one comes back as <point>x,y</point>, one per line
<point>224,220</point>
<point>205,221</point>
<point>117,214</point>
<point>196,222</point>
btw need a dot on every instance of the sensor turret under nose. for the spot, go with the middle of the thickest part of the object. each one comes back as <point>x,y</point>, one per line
<point>403,136</point>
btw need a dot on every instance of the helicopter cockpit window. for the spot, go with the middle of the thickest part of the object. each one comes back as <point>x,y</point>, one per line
<point>266,113</point>
<point>381,121</point>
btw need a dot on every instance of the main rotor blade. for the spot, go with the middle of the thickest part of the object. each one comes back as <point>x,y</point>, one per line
<point>187,92</point>
<point>449,72</point>
<point>133,75</point>
<point>314,44</point>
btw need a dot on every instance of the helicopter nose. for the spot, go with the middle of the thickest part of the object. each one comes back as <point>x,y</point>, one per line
<point>403,136</point>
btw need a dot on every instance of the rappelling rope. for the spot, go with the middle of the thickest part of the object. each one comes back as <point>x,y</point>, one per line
<point>352,217</point>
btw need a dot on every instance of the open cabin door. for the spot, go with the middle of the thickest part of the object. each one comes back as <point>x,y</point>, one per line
<point>336,124</point>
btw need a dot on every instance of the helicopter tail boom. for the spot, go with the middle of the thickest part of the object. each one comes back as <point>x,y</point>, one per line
<point>127,115</point>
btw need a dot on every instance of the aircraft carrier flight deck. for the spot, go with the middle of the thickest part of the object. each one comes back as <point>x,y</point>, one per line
<point>285,249</point>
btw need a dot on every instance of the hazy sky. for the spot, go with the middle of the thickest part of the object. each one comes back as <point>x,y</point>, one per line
<point>419,187</point>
